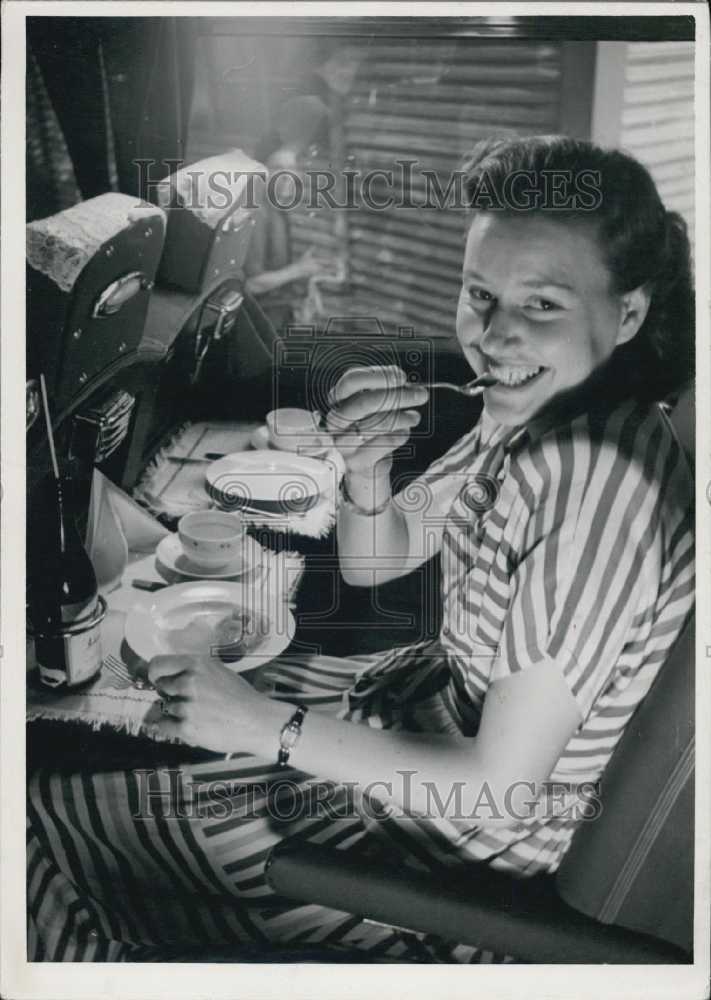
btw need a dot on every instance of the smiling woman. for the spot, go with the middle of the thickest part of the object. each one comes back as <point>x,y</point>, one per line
<point>563,525</point>
<point>541,313</point>
<point>551,294</point>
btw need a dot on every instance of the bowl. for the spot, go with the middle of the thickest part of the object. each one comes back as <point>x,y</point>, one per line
<point>291,429</point>
<point>212,539</point>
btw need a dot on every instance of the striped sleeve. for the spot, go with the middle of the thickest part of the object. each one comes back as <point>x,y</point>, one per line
<point>593,550</point>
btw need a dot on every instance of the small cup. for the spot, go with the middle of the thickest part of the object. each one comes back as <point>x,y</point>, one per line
<point>291,429</point>
<point>212,539</point>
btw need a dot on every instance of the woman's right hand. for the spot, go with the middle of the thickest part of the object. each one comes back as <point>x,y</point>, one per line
<point>371,416</point>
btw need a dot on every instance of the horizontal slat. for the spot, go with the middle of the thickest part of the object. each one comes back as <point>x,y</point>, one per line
<point>540,93</point>
<point>654,51</point>
<point>679,185</point>
<point>679,168</point>
<point>424,237</point>
<point>670,90</point>
<point>643,73</point>
<point>362,254</point>
<point>425,321</point>
<point>320,220</point>
<point>366,303</point>
<point>302,241</point>
<point>370,158</point>
<point>480,51</point>
<point>464,110</point>
<point>666,111</point>
<point>681,128</point>
<point>451,130</point>
<point>426,285</point>
<point>665,152</point>
<point>418,241</point>
<point>427,295</point>
<point>443,271</point>
<point>682,204</point>
<point>428,242</point>
<point>445,225</point>
<point>402,143</point>
<point>397,232</point>
<point>363,302</point>
<point>463,74</point>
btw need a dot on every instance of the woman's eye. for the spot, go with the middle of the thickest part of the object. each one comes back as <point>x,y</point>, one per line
<point>542,305</point>
<point>479,295</point>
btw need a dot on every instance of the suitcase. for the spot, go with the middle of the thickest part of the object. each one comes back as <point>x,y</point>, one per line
<point>90,271</point>
<point>210,207</point>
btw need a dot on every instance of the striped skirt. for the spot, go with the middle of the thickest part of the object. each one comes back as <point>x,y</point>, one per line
<point>168,864</point>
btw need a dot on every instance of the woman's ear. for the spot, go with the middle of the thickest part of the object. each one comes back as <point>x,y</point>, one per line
<point>634,307</point>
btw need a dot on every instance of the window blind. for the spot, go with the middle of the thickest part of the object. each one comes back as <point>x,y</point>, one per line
<point>429,101</point>
<point>658,118</point>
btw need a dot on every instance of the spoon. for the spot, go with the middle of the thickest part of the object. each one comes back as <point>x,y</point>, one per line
<point>471,389</point>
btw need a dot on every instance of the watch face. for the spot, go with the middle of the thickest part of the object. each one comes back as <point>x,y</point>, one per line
<point>289,735</point>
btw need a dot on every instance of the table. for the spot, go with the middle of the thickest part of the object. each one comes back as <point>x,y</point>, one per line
<point>332,618</point>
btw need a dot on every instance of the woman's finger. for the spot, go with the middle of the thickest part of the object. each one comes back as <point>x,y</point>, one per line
<point>167,665</point>
<point>390,422</point>
<point>177,685</point>
<point>374,404</point>
<point>363,432</point>
<point>174,708</point>
<point>359,379</point>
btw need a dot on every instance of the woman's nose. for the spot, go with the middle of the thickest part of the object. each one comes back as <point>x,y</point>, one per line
<point>500,331</point>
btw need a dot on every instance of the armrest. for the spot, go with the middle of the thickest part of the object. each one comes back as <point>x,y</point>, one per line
<point>487,909</point>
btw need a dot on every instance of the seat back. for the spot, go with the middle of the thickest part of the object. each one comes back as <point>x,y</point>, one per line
<point>633,865</point>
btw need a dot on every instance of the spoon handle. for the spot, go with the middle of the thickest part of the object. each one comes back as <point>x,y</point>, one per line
<point>473,388</point>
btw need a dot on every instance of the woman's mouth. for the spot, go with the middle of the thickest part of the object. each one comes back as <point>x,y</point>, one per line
<point>514,376</point>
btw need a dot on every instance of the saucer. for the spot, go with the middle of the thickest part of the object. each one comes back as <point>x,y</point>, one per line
<point>171,554</point>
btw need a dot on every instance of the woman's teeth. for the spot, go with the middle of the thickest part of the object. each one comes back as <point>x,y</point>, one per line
<point>514,374</point>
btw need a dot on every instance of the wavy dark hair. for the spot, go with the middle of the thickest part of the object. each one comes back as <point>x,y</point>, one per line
<point>643,244</point>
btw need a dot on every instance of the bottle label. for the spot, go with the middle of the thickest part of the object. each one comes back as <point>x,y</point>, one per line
<point>82,659</point>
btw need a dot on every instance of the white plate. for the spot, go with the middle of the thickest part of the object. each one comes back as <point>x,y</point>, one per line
<point>275,479</point>
<point>171,554</point>
<point>169,621</point>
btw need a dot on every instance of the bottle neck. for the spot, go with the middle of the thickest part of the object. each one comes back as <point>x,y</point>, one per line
<point>68,533</point>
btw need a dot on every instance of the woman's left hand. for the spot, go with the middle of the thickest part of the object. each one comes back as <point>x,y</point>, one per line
<point>207,705</point>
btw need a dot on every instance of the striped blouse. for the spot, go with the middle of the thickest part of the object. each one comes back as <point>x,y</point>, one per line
<point>568,543</point>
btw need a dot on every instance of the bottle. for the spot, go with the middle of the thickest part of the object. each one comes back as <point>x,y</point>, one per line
<point>65,607</point>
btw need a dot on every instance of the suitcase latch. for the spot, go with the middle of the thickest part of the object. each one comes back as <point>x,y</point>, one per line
<point>115,295</point>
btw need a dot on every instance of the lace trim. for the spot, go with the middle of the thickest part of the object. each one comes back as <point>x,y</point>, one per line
<point>211,187</point>
<point>63,244</point>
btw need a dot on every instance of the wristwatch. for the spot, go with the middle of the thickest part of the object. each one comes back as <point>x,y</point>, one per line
<point>290,734</point>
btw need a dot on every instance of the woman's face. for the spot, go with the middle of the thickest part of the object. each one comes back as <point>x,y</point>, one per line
<point>536,309</point>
